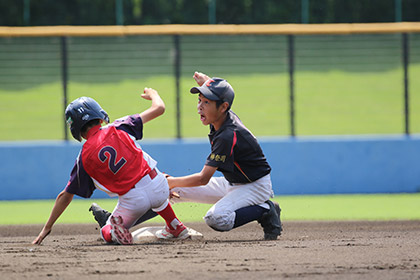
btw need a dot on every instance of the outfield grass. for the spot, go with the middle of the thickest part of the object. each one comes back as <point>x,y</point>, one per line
<point>294,208</point>
<point>327,103</point>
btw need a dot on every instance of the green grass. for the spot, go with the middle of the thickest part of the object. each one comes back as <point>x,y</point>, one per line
<point>294,208</point>
<point>327,103</point>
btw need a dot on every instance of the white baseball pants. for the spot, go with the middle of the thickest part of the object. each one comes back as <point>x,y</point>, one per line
<point>147,194</point>
<point>226,198</point>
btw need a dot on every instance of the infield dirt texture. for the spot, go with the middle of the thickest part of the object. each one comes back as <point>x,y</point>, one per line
<point>306,250</point>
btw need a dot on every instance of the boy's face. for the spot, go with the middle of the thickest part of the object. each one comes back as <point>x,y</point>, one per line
<point>208,111</point>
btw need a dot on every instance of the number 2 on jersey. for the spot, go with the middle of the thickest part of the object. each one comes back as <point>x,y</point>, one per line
<point>110,154</point>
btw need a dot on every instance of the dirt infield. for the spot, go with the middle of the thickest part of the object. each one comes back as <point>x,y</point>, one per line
<point>306,250</point>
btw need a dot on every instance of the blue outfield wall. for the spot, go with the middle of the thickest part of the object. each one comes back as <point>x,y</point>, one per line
<point>316,165</point>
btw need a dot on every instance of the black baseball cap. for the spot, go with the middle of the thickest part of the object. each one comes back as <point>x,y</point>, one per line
<point>216,89</point>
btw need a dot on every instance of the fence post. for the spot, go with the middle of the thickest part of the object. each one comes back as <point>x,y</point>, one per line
<point>26,12</point>
<point>398,10</point>
<point>212,11</point>
<point>64,65</point>
<point>119,12</point>
<point>305,11</point>
<point>405,58</point>
<point>291,55</point>
<point>177,68</point>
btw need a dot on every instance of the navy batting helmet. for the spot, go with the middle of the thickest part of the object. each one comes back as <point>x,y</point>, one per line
<point>80,112</point>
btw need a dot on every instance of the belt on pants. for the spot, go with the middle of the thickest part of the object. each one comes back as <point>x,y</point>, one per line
<point>153,173</point>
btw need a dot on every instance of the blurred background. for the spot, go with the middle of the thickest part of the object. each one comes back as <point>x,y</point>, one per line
<point>135,12</point>
<point>337,113</point>
<point>343,84</point>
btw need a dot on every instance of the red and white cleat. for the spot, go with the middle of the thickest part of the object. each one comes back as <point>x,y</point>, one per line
<point>119,233</point>
<point>180,233</point>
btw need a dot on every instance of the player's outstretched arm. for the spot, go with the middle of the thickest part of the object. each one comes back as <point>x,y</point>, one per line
<point>200,78</point>
<point>156,109</point>
<point>193,180</point>
<point>61,203</point>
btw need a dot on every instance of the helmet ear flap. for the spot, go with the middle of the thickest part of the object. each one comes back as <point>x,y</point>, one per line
<point>106,117</point>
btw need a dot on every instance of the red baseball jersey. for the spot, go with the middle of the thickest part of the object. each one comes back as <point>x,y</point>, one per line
<point>110,159</point>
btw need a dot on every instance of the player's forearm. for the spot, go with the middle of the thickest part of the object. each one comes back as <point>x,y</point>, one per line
<point>158,106</point>
<point>193,180</point>
<point>61,203</point>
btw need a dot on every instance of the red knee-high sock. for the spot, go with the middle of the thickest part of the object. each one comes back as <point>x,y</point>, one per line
<point>169,216</point>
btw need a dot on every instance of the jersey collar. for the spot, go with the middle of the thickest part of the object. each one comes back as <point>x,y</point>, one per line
<point>93,130</point>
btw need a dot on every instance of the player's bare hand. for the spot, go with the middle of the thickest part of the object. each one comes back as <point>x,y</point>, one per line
<point>173,195</point>
<point>44,233</point>
<point>200,78</point>
<point>148,93</point>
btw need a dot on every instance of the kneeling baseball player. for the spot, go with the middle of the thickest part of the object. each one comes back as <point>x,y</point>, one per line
<point>112,161</point>
<point>243,194</point>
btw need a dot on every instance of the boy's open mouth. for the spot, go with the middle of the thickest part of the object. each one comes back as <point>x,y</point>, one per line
<point>202,117</point>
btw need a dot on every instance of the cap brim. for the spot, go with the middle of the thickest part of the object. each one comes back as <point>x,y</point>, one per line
<point>206,92</point>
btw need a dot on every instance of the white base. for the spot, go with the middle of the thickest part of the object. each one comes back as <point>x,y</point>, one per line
<point>148,234</point>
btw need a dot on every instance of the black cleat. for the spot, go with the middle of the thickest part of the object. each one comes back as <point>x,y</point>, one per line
<point>100,215</point>
<point>270,221</point>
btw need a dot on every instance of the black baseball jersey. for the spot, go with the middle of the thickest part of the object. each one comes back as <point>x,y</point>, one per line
<point>236,152</point>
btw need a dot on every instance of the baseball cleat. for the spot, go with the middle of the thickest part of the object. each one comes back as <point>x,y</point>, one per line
<point>270,221</point>
<point>119,233</point>
<point>100,215</point>
<point>180,233</point>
